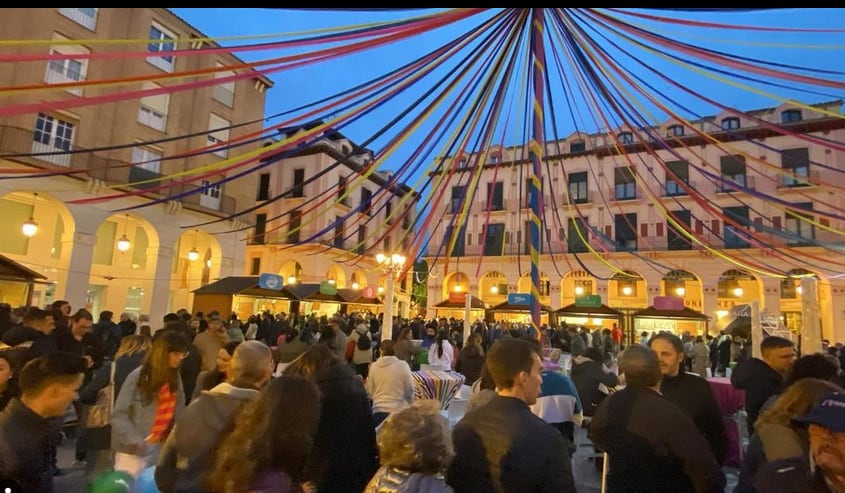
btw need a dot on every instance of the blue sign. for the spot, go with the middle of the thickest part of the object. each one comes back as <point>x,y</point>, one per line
<point>270,281</point>
<point>519,299</point>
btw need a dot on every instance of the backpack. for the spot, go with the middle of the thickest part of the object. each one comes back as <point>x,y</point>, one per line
<point>364,341</point>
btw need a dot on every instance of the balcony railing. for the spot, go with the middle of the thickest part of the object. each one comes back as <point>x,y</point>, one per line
<point>797,181</point>
<point>673,188</point>
<point>15,140</point>
<point>744,181</point>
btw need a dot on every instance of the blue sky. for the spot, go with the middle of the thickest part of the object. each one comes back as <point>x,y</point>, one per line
<point>298,86</point>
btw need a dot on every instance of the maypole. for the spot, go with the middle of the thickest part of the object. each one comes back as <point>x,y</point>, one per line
<point>535,154</point>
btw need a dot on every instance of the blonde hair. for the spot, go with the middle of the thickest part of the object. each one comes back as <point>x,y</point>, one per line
<point>796,400</point>
<point>416,439</point>
<point>132,344</point>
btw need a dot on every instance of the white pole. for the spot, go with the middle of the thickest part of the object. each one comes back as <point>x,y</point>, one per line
<point>756,330</point>
<point>387,323</point>
<point>811,340</point>
<point>467,307</point>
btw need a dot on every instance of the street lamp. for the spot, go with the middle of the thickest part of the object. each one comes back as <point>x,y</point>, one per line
<point>392,267</point>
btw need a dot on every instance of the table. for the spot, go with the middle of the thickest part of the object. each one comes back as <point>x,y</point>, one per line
<point>730,401</point>
<point>441,386</point>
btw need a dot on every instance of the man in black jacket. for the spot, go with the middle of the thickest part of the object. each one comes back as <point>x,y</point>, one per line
<point>189,450</point>
<point>48,386</point>
<point>502,446</point>
<point>32,338</point>
<point>652,445</point>
<point>763,378</point>
<point>690,392</point>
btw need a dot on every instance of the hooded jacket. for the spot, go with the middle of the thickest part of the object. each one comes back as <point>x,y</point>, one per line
<point>189,450</point>
<point>390,385</point>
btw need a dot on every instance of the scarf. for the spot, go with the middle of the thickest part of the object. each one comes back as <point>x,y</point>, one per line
<point>164,415</point>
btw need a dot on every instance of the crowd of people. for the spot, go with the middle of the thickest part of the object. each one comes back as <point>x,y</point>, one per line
<point>326,404</point>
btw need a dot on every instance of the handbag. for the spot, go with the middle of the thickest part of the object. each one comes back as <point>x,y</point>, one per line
<point>99,415</point>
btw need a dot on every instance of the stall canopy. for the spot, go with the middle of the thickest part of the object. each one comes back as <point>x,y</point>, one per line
<point>601,311</point>
<point>13,271</point>
<point>506,307</point>
<point>448,304</point>
<point>242,286</point>
<point>685,314</point>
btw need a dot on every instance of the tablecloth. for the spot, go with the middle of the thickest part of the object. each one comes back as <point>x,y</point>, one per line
<point>730,401</point>
<point>442,386</point>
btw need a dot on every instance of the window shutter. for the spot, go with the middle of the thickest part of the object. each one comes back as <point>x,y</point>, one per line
<point>658,229</point>
<point>714,225</point>
<point>758,224</point>
<point>608,231</point>
<point>776,222</point>
<point>699,227</point>
<point>643,230</point>
<point>158,103</point>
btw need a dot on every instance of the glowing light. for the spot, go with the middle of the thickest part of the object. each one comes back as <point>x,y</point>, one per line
<point>680,291</point>
<point>193,255</point>
<point>579,290</point>
<point>721,313</point>
<point>354,285</point>
<point>29,228</point>
<point>738,292</point>
<point>627,290</point>
<point>123,244</point>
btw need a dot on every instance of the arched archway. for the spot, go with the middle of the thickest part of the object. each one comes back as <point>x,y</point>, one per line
<point>291,272</point>
<point>736,287</point>
<point>685,285</point>
<point>627,289</point>
<point>524,285</point>
<point>196,251</point>
<point>358,280</point>
<point>455,282</point>
<point>791,298</point>
<point>336,275</point>
<point>493,287</point>
<point>575,284</point>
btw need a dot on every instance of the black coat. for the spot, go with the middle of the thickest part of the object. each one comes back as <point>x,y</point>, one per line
<point>39,344</point>
<point>653,446</point>
<point>693,395</point>
<point>587,375</point>
<point>25,448</point>
<point>502,446</point>
<point>759,381</point>
<point>345,455</point>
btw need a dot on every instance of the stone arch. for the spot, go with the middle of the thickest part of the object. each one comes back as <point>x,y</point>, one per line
<point>291,271</point>
<point>358,279</point>
<point>575,284</point>
<point>455,282</point>
<point>684,284</point>
<point>335,273</point>
<point>737,287</point>
<point>627,289</point>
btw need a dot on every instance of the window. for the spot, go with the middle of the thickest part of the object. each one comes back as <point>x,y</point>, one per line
<point>218,134</point>
<point>675,238</point>
<point>83,17</point>
<point>341,191</point>
<point>625,138</point>
<point>733,170</point>
<point>675,131</point>
<point>225,91</point>
<point>578,188</point>
<point>260,228</point>
<point>338,232</point>
<point>733,234</point>
<point>263,187</point>
<point>362,238</point>
<point>298,189</point>
<point>385,245</point>
<point>294,226</point>
<point>163,60</point>
<point>459,249</point>
<point>255,266</point>
<point>52,135</point>
<point>526,239</point>
<point>494,158</point>
<point>577,146</point>
<point>67,70</point>
<point>152,111</point>
<point>800,232</point>
<point>388,210</point>
<point>494,242</point>
<point>146,169</point>
<point>366,202</point>
<point>210,195</point>
<point>577,235</point>
<point>463,162</point>
<point>674,186</point>
<point>626,232</point>
<point>731,123</point>
<point>496,195</point>
<point>626,185</point>
<point>796,162</point>
<point>790,116</point>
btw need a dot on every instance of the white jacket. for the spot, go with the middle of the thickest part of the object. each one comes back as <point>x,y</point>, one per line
<point>446,360</point>
<point>390,384</point>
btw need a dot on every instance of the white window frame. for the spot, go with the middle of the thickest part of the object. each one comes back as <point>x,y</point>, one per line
<point>219,135</point>
<point>81,16</point>
<point>47,139</point>
<point>210,197</point>
<point>59,71</point>
<point>164,62</point>
<point>225,91</point>
<point>150,116</point>
<point>150,159</point>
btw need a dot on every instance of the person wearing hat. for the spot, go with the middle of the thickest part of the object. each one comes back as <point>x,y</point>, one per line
<point>824,470</point>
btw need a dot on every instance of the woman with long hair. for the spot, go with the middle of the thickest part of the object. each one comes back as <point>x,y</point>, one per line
<point>775,437</point>
<point>471,359</point>
<point>207,380</point>
<point>441,352</point>
<point>405,348</point>
<point>150,399</point>
<point>128,357</point>
<point>270,443</point>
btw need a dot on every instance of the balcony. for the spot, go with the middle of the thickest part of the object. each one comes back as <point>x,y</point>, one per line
<point>622,193</point>
<point>744,181</point>
<point>15,140</point>
<point>674,188</point>
<point>798,181</point>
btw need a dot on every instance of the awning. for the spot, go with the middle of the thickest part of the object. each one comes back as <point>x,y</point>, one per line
<point>601,311</point>
<point>14,271</point>
<point>243,286</point>
<point>356,297</point>
<point>506,307</point>
<point>685,314</point>
<point>474,304</point>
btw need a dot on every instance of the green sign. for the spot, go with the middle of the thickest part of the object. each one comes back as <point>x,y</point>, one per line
<point>588,301</point>
<point>327,287</point>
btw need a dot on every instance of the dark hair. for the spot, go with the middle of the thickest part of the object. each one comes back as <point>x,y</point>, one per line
<point>106,315</point>
<point>82,314</point>
<point>156,370</point>
<point>388,348</point>
<point>270,443</point>
<point>486,379</point>
<point>507,358</point>
<point>57,367</point>
<point>60,303</point>
<point>699,339</point>
<point>171,317</point>
<point>443,335</point>
<point>672,339</point>
<point>231,346</point>
<point>34,313</point>
<point>811,366</point>
<point>774,342</point>
<point>640,366</point>
<point>315,359</point>
<point>593,353</point>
